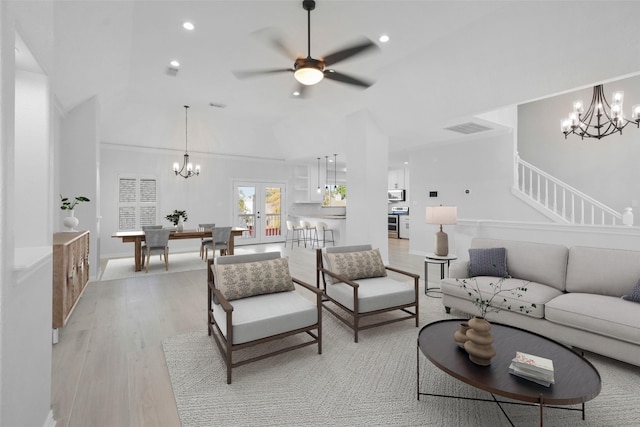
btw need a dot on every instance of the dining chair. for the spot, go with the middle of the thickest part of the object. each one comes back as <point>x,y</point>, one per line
<point>210,226</point>
<point>143,247</point>
<point>219,241</point>
<point>157,242</point>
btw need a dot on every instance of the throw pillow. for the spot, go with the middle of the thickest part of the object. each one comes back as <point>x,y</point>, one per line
<point>488,262</point>
<point>356,265</point>
<point>634,295</point>
<point>247,279</point>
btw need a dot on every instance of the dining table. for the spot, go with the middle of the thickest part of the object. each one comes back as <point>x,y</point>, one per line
<point>137,237</point>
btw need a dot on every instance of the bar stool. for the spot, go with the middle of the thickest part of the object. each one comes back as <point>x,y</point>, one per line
<point>310,234</point>
<point>293,234</point>
<point>324,228</point>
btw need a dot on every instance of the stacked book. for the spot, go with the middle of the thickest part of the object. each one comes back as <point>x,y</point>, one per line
<point>534,368</point>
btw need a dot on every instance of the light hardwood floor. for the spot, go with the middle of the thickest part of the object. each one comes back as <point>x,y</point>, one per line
<point>109,367</point>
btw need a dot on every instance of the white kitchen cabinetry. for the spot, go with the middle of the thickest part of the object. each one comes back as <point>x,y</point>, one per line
<point>403,230</point>
<point>398,178</point>
<point>301,183</point>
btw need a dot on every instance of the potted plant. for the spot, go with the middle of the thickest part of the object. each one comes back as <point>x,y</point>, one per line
<point>478,338</point>
<point>177,218</point>
<point>71,222</point>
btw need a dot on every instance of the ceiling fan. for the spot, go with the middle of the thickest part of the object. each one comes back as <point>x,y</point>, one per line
<point>310,71</point>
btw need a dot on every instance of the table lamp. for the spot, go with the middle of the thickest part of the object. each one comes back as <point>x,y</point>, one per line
<point>441,215</point>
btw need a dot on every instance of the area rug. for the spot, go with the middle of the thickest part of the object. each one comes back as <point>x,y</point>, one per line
<point>122,268</point>
<point>372,383</point>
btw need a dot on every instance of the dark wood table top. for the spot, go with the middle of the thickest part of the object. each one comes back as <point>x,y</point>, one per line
<point>576,379</point>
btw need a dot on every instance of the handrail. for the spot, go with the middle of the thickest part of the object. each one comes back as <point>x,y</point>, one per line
<point>564,201</point>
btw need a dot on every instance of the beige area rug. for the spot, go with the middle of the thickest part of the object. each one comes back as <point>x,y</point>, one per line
<point>122,268</point>
<point>371,383</point>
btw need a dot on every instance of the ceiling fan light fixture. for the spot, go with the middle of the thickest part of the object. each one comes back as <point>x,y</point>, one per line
<point>308,75</point>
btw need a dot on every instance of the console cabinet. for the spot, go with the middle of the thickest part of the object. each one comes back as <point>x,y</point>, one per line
<point>70,272</point>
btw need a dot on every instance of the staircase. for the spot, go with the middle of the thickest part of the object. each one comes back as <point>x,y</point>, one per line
<point>557,200</point>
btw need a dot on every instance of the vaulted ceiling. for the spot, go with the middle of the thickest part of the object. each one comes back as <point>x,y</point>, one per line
<point>446,63</point>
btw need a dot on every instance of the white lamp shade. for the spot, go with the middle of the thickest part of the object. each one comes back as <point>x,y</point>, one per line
<point>308,75</point>
<point>442,215</point>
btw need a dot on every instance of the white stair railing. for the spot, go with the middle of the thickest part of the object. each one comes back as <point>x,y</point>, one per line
<point>563,201</point>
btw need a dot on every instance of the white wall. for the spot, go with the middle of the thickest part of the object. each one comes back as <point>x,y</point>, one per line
<point>206,198</point>
<point>79,168</point>
<point>605,169</point>
<point>481,164</point>
<point>25,254</point>
<point>32,161</point>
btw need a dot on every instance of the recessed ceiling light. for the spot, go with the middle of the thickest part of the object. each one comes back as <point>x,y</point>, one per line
<point>406,163</point>
<point>17,50</point>
<point>188,26</point>
<point>174,63</point>
<point>383,38</point>
<point>296,93</point>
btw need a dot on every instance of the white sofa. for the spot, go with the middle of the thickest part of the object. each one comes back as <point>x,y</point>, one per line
<point>577,292</point>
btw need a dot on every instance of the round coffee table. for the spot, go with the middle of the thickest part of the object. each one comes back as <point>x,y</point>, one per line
<point>576,380</point>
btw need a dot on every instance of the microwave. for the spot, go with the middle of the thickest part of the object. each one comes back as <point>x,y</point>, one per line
<point>396,195</point>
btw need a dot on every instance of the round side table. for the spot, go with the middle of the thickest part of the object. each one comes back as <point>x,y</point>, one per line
<point>432,258</point>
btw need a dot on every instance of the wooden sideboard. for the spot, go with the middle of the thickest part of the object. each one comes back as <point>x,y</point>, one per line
<point>70,272</point>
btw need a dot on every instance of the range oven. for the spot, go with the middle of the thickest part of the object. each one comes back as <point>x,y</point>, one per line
<point>393,224</point>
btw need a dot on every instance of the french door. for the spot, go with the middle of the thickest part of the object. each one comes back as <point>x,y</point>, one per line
<point>258,206</point>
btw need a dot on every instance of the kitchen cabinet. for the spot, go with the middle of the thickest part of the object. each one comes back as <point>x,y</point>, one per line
<point>403,229</point>
<point>398,179</point>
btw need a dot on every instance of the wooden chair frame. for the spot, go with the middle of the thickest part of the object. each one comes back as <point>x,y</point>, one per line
<point>226,346</point>
<point>354,316</point>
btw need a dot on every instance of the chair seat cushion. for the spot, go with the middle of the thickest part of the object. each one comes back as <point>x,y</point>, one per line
<point>266,315</point>
<point>373,294</point>
<point>248,279</point>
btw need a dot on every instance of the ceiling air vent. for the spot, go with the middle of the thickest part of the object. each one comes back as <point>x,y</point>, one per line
<point>468,128</point>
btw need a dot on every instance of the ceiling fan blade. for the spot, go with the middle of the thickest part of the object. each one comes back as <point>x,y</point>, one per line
<point>255,73</point>
<point>276,40</point>
<point>348,52</point>
<point>343,78</point>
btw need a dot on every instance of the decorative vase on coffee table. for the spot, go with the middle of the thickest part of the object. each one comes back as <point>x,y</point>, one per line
<point>479,342</point>
<point>460,336</point>
<point>71,222</point>
<point>180,224</point>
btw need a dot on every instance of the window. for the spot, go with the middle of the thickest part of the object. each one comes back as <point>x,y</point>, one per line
<point>137,202</point>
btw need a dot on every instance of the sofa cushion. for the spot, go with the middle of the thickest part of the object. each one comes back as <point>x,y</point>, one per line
<point>611,272</point>
<point>357,265</point>
<point>373,294</point>
<point>536,293</point>
<point>247,279</point>
<point>604,315</point>
<point>488,262</point>
<point>536,262</point>
<point>634,295</point>
<point>267,315</point>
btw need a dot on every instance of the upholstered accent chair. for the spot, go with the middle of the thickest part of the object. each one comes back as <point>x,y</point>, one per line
<point>356,287</point>
<point>252,301</point>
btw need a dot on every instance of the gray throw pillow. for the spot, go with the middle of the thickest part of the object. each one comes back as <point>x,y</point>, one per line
<point>488,262</point>
<point>634,295</point>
